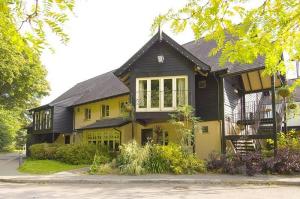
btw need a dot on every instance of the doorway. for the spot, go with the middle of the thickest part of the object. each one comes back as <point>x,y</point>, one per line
<point>147,135</point>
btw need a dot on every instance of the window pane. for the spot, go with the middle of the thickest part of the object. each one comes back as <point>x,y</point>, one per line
<point>180,88</point>
<point>142,101</point>
<point>154,93</point>
<point>107,111</point>
<point>168,98</point>
<point>103,111</point>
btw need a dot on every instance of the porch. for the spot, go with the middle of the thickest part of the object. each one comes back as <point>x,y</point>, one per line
<point>253,112</point>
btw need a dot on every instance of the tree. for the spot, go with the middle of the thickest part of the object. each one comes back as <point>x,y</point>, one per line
<point>265,28</point>
<point>23,83</point>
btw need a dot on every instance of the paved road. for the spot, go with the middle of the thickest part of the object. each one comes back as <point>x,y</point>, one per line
<point>9,164</point>
<point>24,191</point>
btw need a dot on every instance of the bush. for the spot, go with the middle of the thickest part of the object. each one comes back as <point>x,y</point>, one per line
<point>287,161</point>
<point>137,160</point>
<point>43,151</point>
<point>79,153</point>
<point>97,163</point>
<point>72,154</point>
<point>132,158</point>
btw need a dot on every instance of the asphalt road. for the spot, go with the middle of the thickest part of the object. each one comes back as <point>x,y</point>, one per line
<point>53,191</point>
<point>9,163</point>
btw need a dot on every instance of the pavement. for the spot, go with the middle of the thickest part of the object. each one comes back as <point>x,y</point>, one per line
<point>151,191</point>
<point>9,164</point>
<point>212,179</point>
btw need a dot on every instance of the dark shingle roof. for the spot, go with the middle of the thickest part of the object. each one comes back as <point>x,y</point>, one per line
<point>100,87</point>
<point>107,123</point>
<point>201,49</point>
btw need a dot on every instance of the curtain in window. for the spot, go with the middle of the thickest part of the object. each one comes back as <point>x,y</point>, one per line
<point>142,94</point>
<point>180,83</point>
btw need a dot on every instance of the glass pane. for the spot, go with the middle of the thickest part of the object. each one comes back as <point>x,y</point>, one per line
<point>154,93</point>
<point>180,88</point>
<point>168,97</point>
<point>142,101</point>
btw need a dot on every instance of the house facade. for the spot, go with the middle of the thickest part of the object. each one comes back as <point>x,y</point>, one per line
<point>134,102</point>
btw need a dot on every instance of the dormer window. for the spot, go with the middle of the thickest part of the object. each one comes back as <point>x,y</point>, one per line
<point>161,93</point>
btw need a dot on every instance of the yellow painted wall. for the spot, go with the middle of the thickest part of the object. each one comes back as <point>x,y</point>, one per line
<point>206,143</point>
<point>114,110</point>
<point>173,135</point>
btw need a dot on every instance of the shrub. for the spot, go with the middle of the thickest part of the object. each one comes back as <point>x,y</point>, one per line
<point>79,153</point>
<point>137,160</point>
<point>132,158</point>
<point>43,151</point>
<point>287,161</point>
<point>98,161</point>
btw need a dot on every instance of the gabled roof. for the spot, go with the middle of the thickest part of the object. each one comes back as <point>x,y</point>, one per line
<point>100,87</point>
<point>201,48</point>
<point>161,36</point>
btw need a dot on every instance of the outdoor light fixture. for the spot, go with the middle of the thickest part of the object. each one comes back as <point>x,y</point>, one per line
<point>160,59</point>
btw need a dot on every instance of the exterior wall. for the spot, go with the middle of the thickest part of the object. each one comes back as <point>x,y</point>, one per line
<point>173,135</point>
<point>62,119</point>
<point>231,98</point>
<point>207,98</point>
<point>174,65</point>
<point>206,143</point>
<point>114,111</point>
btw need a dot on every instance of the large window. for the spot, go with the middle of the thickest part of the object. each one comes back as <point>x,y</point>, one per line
<point>161,93</point>
<point>42,119</point>
<point>105,137</point>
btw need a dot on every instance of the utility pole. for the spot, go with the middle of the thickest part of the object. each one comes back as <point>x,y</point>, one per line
<point>274,114</point>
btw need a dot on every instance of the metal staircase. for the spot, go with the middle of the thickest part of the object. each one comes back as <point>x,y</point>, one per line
<point>256,120</point>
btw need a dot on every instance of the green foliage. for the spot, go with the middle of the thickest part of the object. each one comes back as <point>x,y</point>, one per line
<point>132,158</point>
<point>46,166</point>
<point>71,153</point>
<point>183,119</point>
<point>78,153</point>
<point>43,151</point>
<point>20,139</point>
<point>97,166</point>
<point>137,160</point>
<point>8,127</point>
<point>264,28</point>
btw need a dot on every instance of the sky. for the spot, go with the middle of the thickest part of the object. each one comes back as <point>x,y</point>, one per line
<point>104,35</point>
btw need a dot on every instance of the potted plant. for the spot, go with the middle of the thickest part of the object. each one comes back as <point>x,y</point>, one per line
<point>284,91</point>
<point>292,106</point>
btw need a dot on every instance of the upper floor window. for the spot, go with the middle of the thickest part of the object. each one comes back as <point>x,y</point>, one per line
<point>161,93</point>
<point>87,114</point>
<point>105,111</point>
<point>42,119</point>
<point>123,105</point>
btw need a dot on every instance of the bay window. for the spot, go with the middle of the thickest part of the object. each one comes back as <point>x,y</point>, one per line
<point>161,93</point>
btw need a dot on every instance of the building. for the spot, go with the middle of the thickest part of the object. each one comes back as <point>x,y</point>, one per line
<point>135,100</point>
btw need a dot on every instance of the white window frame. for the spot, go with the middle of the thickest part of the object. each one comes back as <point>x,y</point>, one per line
<point>161,93</point>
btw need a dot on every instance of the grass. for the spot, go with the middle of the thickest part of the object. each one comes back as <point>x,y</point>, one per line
<point>46,166</point>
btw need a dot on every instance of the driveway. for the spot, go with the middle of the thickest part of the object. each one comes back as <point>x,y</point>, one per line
<point>9,163</point>
<point>119,191</point>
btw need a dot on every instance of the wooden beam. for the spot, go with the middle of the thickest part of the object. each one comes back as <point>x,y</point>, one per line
<point>262,86</point>
<point>249,81</point>
<point>274,114</point>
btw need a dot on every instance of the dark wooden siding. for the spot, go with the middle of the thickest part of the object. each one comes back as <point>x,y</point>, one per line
<point>207,106</point>
<point>174,64</point>
<point>63,120</point>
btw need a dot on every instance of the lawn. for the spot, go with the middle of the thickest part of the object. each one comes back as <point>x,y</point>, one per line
<point>46,166</point>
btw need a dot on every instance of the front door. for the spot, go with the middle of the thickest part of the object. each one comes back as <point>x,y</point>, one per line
<point>146,135</point>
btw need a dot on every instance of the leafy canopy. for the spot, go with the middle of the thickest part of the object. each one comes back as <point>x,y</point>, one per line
<point>265,28</point>
<point>23,27</point>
